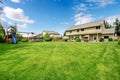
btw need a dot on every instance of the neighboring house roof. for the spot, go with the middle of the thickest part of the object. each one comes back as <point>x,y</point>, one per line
<point>38,36</point>
<point>87,25</point>
<point>108,31</point>
<point>52,32</point>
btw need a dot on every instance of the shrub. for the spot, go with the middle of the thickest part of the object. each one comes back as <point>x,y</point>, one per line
<point>101,39</point>
<point>110,39</point>
<point>53,39</point>
<point>47,37</point>
<point>1,39</point>
<point>19,37</point>
<point>25,40</point>
<point>65,39</point>
<point>119,42</point>
<point>77,39</point>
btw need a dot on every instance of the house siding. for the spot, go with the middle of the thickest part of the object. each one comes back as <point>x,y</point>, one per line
<point>90,33</point>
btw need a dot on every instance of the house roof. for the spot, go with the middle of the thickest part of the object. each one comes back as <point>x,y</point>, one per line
<point>108,31</point>
<point>52,32</point>
<point>87,25</point>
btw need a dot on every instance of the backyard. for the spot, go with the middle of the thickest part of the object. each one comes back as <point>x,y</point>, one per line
<point>60,61</point>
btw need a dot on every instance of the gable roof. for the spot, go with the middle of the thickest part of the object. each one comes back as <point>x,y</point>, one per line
<point>87,25</point>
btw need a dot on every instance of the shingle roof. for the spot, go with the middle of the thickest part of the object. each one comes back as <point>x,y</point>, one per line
<point>52,32</point>
<point>108,31</point>
<point>87,25</point>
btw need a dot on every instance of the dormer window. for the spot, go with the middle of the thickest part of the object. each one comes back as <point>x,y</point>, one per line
<point>82,29</point>
<point>97,27</point>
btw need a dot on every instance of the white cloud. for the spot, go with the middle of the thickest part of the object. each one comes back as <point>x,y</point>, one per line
<point>112,19</point>
<point>83,18</point>
<point>16,15</point>
<point>92,4</point>
<point>16,1</point>
<point>80,7</point>
<point>3,19</point>
<point>22,25</point>
<point>102,3</point>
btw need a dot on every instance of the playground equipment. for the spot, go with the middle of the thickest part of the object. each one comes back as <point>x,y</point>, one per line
<point>11,34</point>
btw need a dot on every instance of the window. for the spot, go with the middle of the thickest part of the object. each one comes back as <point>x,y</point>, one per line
<point>70,31</point>
<point>70,37</point>
<point>97,27</point>
<point>78,30</point>
<point>76,36</point>
<point>82,29</point>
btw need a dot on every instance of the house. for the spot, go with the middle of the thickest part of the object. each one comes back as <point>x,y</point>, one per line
<point>91,32</point>
<point>52,34</point>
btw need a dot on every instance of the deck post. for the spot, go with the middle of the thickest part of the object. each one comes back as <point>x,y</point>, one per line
<point>97,38</point>
<point>88,38</point>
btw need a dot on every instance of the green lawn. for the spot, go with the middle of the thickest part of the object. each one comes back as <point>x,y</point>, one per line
<point>60,61</point>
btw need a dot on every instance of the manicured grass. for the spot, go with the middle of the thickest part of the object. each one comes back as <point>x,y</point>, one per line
<point>60,61</point>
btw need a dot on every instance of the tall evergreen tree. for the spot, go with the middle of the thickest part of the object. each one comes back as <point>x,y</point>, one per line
<point>117,26</point>
<point>107,25</point>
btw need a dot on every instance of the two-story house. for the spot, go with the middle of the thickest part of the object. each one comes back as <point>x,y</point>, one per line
<point>52,34</point>
<point>91,32</point>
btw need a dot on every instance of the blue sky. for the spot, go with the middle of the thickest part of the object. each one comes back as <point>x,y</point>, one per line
<point>58,15</point>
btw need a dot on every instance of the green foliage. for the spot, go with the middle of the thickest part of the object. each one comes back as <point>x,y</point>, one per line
<point>119,41</point>
<point>117,27</point>
<point>64,34</point>
<point>47,37</point>
<point>101,39</point>
<point>53,39</point>
<point>19,37</point>
<point>2,33</point>
<point>24,40</point>
<point>77,39</point>
<point>110,39</point>
<point>107,25</point>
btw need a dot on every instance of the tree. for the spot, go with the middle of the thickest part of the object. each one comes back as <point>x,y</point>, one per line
<point>14,29</point>
<point>19,37</point>
<point>46,37</point>
<point>117,26</point>
<point>107,25</point>
<point>2,33</point>
<point>64,34</point>
<point>1,8</point>
<point>77,39</point>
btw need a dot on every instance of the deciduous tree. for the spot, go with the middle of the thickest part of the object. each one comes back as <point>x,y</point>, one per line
<point>46,37</point>
<point>2,33</point>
